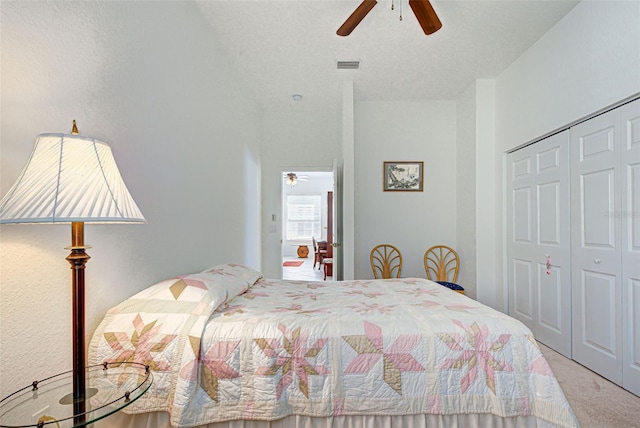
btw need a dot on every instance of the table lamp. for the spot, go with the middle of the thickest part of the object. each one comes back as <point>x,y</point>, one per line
<point>73,179</point>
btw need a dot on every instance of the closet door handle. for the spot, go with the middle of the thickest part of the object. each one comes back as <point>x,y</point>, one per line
<point>596,261</point>
<point>548,265</point>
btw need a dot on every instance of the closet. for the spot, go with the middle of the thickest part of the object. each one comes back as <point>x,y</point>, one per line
<point>539,253</point>
<point>573,242</point>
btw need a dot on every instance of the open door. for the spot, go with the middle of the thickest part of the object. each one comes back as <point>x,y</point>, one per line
<point>307,207</point>
<point>338,272</point>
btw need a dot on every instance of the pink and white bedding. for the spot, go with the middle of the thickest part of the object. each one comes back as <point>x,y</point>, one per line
<point>226,344</point>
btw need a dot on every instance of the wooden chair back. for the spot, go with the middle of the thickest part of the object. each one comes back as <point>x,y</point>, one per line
<point>441,263</point>
<point>386,261</point>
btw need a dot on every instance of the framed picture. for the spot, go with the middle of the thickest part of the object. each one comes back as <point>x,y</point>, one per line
<point>402,176</point>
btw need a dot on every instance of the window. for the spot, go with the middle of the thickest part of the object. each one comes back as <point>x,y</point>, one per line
<point>303,217</point>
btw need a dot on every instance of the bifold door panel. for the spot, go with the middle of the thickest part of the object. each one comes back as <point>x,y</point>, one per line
<point>573,242</point>
<point>538,240</point>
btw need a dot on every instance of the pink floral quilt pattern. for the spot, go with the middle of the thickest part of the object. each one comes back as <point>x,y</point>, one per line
<point>274,348</point>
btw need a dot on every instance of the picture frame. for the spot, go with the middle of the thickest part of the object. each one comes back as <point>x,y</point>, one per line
<point>402,176</point>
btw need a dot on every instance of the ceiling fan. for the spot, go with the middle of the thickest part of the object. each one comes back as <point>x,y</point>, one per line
<point>292,178</point>
<point>422,9</point>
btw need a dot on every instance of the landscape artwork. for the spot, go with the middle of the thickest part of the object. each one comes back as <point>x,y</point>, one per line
<point>403,176</point>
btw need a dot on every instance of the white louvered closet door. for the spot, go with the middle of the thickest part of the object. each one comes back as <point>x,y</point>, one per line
<point>630,224</point>
<point>538,232</point>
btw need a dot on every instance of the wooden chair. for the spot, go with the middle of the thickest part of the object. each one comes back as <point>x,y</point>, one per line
<point>441,264</point>
<point>319,252</point>
<point>386,261</point>
<point>328,268</point>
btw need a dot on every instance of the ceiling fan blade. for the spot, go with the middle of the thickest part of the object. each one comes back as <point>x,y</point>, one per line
<point>358,15</point>
<point>427,17</point>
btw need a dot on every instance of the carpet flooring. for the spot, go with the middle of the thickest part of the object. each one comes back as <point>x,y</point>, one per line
<point>597,402</point>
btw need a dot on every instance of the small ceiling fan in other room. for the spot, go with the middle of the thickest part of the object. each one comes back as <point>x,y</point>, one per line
<point>291,178</point>
<point>422,9</point>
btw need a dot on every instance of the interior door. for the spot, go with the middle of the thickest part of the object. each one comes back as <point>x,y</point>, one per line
<point>338,271</point>
<point>539,249</point>
<point>630,218</point>
<point>596,243</point>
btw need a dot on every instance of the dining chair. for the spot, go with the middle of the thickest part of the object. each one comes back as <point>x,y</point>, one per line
<point>441,264</point>
<point>328,267</point>
<point>319,252</point>
<point>386,261</point>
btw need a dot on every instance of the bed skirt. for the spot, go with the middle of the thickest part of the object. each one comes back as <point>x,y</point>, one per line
<point>161,420</point>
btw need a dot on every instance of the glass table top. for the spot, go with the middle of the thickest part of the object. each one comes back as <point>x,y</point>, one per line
<point>48,403</point>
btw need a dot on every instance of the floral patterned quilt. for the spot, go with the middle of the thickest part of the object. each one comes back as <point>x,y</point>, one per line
<point>227,344</point>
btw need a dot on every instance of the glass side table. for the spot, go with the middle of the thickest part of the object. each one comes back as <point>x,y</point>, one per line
<point>47,403</point>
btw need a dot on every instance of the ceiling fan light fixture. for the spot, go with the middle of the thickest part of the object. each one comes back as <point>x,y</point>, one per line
<point>292,179</point>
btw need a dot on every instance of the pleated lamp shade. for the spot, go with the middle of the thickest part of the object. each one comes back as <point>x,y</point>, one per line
<point>69,178</point>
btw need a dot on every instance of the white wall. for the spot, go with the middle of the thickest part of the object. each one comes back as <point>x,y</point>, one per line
<point>345,268</point>
<point>298,139</point>
<point>487,195</point>
<point>588,61</point>
<point>466,189</point>
<point>412,221</point>
<point>185,136</point>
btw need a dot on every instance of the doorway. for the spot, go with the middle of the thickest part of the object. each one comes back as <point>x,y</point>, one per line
<point>305,218</point>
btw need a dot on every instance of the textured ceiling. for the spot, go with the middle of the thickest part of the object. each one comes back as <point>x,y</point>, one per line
<point>290,47</point>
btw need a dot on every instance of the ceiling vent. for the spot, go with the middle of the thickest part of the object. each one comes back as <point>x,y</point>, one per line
<point>348,65</point>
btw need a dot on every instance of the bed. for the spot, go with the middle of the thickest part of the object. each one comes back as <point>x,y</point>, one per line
<point>230,348</point>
